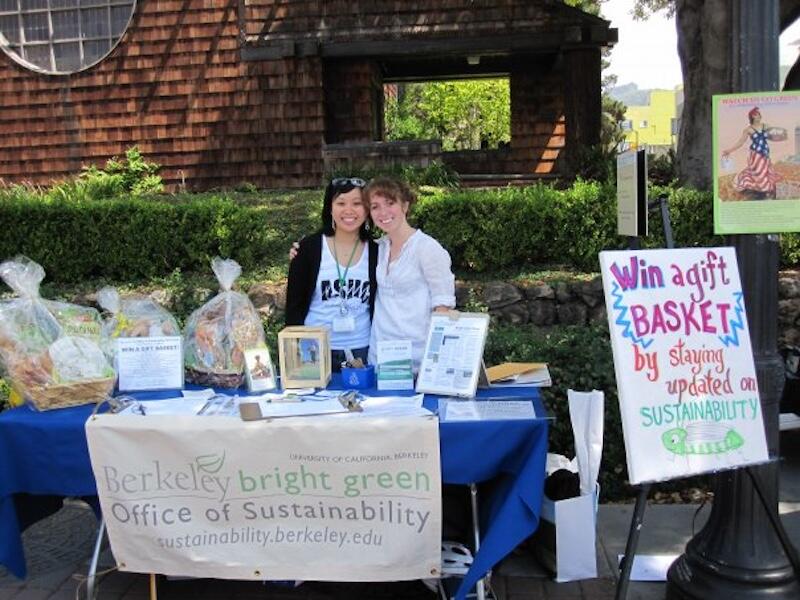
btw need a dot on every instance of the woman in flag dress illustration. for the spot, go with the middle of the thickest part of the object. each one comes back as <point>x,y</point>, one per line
<point>758,180</point>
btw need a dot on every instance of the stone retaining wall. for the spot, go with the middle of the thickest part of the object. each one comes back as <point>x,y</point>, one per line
<point>541,304</point>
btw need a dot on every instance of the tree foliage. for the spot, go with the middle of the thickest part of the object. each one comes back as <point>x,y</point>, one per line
<point>644,8</point>
<point>465,115</point>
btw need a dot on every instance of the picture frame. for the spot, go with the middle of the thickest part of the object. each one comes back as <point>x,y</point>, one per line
<point>305,357</point>
<point>259,370</point>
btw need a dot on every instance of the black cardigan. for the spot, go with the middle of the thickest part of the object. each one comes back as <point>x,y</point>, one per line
<point>303,273</point>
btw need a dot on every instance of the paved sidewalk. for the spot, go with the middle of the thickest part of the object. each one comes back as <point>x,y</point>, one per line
<point>58,550</point>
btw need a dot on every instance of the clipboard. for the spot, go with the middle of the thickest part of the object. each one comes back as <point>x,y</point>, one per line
<point>349,401</point>
<point>452,360</point>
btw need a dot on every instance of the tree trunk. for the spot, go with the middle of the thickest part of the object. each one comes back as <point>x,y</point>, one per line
<point>704,48</point>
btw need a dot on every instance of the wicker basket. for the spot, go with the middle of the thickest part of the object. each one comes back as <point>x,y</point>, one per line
<point>228,379</point>
<point>47,397</point>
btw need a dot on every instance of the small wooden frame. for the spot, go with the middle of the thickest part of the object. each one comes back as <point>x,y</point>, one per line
<point>305,357</point>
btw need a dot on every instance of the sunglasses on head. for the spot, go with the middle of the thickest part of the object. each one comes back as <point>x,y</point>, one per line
<point>348,181</point>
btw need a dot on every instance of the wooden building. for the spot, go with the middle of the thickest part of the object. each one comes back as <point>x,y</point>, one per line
<point>276,92</point>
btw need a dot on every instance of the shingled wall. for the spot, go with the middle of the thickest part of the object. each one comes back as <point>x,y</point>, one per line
<point>342,20</point>
<point>182,86</point>
<point>175,85</point>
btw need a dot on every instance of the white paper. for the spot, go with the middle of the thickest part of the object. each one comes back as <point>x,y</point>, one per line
<point>453,352</point>
<point>151,363</point>
<point>220,405</point>
<point>304,407</point>
<point>165,406</point>
<point>576,555</point>
<point>586,416</point>
<point>650,567</point>
<point>394,406</point>
<point>203,394</point>
<point>490,410</point>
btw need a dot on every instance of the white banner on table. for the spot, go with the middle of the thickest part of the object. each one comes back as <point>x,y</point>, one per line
<point>302,498</point>
<point>687,383</point>
<point>149,363</point>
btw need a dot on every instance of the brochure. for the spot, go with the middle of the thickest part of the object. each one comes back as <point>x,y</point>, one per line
<point>395,368</point>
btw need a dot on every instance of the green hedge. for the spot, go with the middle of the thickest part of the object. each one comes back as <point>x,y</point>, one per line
<point>133,239</point>
<point>484,230</point>
<point>489,229</point>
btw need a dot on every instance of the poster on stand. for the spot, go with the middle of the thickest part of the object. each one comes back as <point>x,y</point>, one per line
<point>632,193</point>
<point>756,162</point>
<point>686,380</point>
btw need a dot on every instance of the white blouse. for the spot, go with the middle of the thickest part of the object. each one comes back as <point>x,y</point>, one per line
<point>408,289</point>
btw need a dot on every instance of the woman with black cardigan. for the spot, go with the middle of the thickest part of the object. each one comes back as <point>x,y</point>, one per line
<point>332,279</point>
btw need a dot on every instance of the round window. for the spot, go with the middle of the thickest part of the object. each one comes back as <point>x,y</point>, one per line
<point>62,36</point>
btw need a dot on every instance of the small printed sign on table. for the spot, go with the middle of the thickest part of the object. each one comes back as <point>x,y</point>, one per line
<point>149,363</point>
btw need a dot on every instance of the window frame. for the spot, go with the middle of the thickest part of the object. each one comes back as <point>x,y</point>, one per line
<point>17,50</point>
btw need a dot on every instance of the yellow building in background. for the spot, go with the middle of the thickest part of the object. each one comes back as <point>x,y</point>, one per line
<point>654,124</point>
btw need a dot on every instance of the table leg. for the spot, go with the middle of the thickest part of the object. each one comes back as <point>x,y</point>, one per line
<point>153,587</point>
<point>480,587</point>
<point>91,578</point>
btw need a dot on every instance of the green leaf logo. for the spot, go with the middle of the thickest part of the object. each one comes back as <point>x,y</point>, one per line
<point>210,463</point>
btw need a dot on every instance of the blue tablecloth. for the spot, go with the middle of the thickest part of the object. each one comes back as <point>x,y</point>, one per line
<point>46,453</point>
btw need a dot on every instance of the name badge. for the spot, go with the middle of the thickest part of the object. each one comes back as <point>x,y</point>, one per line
<point>344,324</point>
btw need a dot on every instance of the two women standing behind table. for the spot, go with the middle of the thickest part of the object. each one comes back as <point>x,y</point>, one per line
<point>412,270</point>
<point>332,278</point>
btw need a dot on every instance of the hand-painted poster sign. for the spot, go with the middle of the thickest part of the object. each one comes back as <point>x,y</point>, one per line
<point>685,375</point>
<point>307,498</point>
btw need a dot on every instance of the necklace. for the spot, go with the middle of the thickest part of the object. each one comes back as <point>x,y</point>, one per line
<point>343,277</point>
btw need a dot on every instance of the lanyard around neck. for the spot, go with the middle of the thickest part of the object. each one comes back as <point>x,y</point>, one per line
<point>341,277</point>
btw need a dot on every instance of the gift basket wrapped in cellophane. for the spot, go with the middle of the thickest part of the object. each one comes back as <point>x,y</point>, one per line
<point>50,350</point>
<point>218,333</point>
<point>132,316</point>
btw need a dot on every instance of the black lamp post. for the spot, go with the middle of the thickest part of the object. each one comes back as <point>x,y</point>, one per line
<point>738,553</point>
